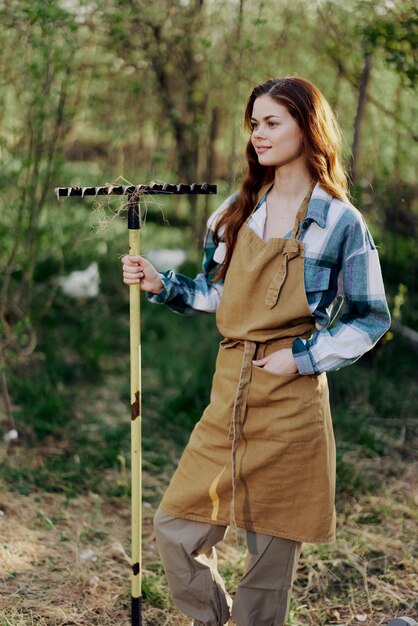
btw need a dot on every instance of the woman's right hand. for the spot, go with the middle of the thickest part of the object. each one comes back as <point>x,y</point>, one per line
<point>136,270</point>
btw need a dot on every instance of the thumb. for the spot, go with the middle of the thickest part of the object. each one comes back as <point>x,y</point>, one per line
<point>261,362</point>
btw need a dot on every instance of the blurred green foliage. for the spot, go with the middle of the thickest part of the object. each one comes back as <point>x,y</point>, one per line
<point>90,91</point>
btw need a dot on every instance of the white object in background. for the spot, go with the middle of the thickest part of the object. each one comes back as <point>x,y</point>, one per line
<point>82,283</point>
<point>165,258</point>
<point>12,435</point>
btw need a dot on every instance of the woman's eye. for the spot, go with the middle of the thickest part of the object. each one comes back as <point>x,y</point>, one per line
<point>272,124</point>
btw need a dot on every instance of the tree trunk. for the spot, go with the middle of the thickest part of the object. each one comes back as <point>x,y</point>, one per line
<point>397,161</point>
<point>211,159</point>
<point>232,160</point>
<point>361,107</point>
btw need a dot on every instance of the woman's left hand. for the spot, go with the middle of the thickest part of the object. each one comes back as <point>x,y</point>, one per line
<point>279,362</point>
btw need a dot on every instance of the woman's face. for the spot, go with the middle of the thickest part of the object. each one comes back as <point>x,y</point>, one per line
<point>276,136</point>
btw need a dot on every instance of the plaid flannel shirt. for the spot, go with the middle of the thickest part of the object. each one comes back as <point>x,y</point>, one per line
<point>341,272</point>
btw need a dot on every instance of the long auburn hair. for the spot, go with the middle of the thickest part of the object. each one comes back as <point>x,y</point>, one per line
<point>321,138</point>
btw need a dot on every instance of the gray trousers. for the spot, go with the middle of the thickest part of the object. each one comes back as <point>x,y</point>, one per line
<point>189,558</point>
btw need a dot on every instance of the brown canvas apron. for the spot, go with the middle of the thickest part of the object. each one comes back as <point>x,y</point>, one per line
<point>263,454</point>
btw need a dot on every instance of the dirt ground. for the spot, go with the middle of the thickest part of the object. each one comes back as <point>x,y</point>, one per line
<point>65,562</point>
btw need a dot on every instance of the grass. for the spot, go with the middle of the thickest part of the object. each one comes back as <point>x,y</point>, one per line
<point>370,571</point>
<point>65,482</point>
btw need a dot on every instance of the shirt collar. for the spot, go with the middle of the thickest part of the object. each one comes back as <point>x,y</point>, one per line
<point>318,206</point>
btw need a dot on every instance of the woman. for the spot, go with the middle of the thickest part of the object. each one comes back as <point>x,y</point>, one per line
<point>279,255</point>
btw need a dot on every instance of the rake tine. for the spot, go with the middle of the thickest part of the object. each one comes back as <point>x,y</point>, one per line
<point>126,190</point>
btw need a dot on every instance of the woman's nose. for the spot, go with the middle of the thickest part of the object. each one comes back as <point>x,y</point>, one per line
<point>259,132</point>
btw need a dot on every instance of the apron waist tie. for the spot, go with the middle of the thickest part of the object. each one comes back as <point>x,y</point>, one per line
<point>237,420</point>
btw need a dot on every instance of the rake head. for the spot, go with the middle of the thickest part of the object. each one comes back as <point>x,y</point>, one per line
<point>138,190</point>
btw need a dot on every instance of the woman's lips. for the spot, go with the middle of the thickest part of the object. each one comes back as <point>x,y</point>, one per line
<point>262,149</point>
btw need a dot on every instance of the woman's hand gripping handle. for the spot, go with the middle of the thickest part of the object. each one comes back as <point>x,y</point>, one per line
<point>136,270</point>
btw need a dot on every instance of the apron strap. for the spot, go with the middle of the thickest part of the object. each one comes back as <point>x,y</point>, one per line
<point>300,216</point>
<point>237,420</point>
<point>263,190</point>
<point>291,250</point>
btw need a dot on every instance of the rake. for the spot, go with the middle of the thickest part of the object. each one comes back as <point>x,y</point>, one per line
<point>134,193</point>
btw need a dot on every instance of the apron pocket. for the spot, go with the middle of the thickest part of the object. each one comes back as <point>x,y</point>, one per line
<point>284,407</point>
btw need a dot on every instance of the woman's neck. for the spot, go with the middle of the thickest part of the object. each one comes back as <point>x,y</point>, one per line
<point>290,180</point>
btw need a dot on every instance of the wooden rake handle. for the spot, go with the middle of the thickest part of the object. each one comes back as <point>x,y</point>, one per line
<point>134,231</point>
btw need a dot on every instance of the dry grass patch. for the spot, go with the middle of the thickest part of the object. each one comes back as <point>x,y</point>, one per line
<point>65,562</point>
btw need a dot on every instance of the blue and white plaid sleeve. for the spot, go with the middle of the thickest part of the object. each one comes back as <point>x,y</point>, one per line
<point>200,294</point>
<point>365,316</point>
